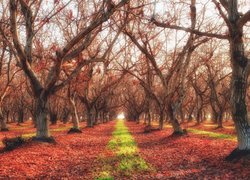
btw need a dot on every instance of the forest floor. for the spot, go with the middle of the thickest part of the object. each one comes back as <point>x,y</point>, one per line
<point>195,155</point>
<point>228,127</point>
<point>118,150</point>
<point>72,157</point>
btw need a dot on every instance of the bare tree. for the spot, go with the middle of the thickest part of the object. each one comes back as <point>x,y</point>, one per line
<point>235,22</point>
<point>71,50</point>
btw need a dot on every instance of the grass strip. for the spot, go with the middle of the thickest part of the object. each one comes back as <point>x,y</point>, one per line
<point>213,134</point>
<point>126,155</point>
<point>32,134</point>
<point>208,133</point>
<point>216,125</point>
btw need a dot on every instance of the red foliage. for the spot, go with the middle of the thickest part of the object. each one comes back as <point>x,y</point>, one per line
<point>72,157</point>
<point>75,156</point>
<point>188,157</point>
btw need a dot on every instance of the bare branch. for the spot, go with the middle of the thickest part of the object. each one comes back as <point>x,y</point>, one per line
<point>74,73</point>
<point>223,15</point>
<point>244,19</point>
<point>190,30</point>
<point>98,21</point>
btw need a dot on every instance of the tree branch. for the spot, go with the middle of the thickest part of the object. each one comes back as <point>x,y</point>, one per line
<point>74,73</point>
<point>223,15</point>
<point>190,30</point>
<point>224,4</point>
<point>26,10</point>
<point>98,21</point>
<point>244,19</point>
<point>36,85</point>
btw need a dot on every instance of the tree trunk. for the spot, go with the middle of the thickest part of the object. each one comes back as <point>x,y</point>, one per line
<point>90,118</point>
<point>137,118</point>
<point>95,117</point>
<point>182,115</point>
<point>65,115</point>
<point>214,111</point>
<point>41,111</point>
<point>198,116</point>
<point>161,120</point>
<point>174,122</point>
<point>53,117</point>
<point>239,79</point>
<point>148,117</point>
<point>190,114</point>
<point>20,116</point>
<point>239,111</point>
<point>3,122</point>
<point>219,119</point>
<point>75,118</point>
<point>104,117</point>
<point>215,116</point>
<point>7,116</point>
<point>107,117</point>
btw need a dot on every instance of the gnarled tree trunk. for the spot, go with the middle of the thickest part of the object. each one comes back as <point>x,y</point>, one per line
<point>174,122</point>
<point>75,118</point>
<point>41,112</point>
<point>239,108</point>
<point>240,72</point>
<point>90,118</point>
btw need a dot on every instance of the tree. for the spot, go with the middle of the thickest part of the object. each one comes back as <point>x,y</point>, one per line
<point>71,50</point>
<point>235,22</point>
<point>173,81</point>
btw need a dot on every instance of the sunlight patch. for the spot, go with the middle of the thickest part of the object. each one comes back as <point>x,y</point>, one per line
<point>121,116</point>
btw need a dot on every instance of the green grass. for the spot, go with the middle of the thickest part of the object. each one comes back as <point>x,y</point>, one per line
<point>20,128</point>
<point>126,155</point>
<point>105,175</point>
<point>32,134</point>
<point>28,135</point>
<point>213,134</point>
<point>126,149</point>
<point>59,129</point>
<point>215,125</point>
<point>209,133</point>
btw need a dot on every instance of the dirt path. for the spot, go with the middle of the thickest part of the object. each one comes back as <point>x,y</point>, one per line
<point>72,157</point>
<point>188,157</point>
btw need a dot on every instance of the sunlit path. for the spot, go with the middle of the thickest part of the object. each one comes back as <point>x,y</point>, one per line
<point>125,160</point>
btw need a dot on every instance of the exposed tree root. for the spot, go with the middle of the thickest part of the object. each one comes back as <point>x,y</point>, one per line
<point>179,133</point>
<point>44,139</point>
<point>13,143</point>
<point>237,154</point>
<point>4,129</point>
<point>74,130</point>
